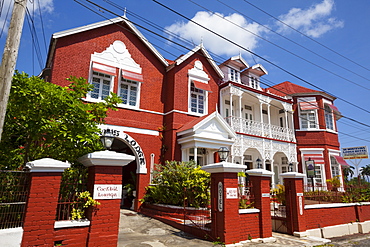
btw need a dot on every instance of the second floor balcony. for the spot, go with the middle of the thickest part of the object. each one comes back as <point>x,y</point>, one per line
<point>260,129</point>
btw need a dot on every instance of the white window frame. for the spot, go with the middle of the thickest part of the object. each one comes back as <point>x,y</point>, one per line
<point>306,118</point>
<point>334,164</point>
<point>329,118</point>
<point>129,83</point>
<point>99,75</point>
<point>234,75</point>
<point>254,81</point>
<point>198,93</point>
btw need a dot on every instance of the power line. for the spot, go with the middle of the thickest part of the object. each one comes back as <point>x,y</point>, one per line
<point>308,37</point>
<point>101,9</point>
<point>262,58</point>
<point>5,19</point>
<point>296,43</point>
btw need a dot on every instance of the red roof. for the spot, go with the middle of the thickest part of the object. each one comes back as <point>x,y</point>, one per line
<point>288,88</point>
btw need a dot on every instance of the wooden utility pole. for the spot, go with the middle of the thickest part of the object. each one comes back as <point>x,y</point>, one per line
<point>10,56</point>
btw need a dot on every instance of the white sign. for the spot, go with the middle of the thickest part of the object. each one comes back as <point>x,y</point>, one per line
<point>107,191</point>
<point>300,205</point>
<point>220,196</point>
<point>231,193</point>
<point>355,153</point>
<point>299,194</point>
<point>265,194</point>
<point>134,146</point>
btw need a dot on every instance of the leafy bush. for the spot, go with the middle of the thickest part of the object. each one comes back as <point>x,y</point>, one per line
<point>178,183</point>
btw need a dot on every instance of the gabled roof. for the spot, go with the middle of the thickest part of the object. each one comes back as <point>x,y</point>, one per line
<point>211,129</point>
<point>199,48</point>
<point>257,69</point>
<point>236,62</point>
<point>92,26</point>
<point>290,89</point>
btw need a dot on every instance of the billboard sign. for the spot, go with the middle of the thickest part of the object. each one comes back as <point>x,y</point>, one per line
<point>355,153</point>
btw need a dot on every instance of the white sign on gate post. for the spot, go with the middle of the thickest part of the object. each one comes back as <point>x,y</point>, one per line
<point>107,191</point>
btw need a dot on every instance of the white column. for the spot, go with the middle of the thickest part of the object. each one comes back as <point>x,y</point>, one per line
<point>241,114</point>
<point>261,117</point>
<point>269,119</point>
<point>231,105</point>
<point>196,155</point>
<point>184,156</point>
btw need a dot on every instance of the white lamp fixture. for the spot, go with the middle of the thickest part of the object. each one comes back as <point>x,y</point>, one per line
<point>223,152</point>
<point>259,164</point>
<point>107,140</point>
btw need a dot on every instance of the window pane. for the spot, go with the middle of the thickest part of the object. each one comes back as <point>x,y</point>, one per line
<point>101,83</point>
<point>128,92</point>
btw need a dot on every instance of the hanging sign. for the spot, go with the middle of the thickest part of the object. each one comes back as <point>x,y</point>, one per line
<point>107,191</point>
<point>310,168</point>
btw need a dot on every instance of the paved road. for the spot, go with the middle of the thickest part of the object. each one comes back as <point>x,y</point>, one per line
<point>140,231</point>
<point>356,240</point>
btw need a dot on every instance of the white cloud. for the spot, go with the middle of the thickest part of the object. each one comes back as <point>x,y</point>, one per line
<point>46,6</point>
<point>225,28</point>
<point>314,21</point>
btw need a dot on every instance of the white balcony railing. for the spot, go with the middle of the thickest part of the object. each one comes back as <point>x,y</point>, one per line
<point>260,129</point>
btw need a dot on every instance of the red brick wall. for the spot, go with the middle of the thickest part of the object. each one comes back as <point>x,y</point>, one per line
<point>38,227</point>
<point>321,217</point>
<point>72,236</point>
<point>250,226</point>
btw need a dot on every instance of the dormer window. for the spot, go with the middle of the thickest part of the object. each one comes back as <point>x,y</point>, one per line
<point>254,82</point>
<point>198,90</point>
<point>234,75</point>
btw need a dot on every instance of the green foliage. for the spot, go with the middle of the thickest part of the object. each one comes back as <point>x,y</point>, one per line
<point>47,120</point>
<point>348,172</point>
<point>245,203</point>
<point>78,210</point>
<point>179,182</point>
<point>334,182</point>
<point>278,194</point>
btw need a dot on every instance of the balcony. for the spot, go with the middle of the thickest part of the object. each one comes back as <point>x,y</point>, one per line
<point>255,128</point>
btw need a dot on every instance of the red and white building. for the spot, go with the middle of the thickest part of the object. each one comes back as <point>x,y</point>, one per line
<point>188,108</point>
<point>316,130</point>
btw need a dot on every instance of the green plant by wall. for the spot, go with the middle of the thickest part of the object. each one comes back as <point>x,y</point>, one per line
<point>78,212</point>
<point>177,183</point>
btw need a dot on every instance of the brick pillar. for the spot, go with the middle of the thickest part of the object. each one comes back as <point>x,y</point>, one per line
<point>293,182</point>
<point>261,180</point>
<point>225,201</point>
<point>105,184</point>
<point>39,219</point>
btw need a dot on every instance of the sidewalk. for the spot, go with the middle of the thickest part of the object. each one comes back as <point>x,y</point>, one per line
<point>140,231</point>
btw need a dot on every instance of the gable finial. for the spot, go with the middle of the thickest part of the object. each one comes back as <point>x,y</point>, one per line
<point>201,41</point>
<point>124,12</point>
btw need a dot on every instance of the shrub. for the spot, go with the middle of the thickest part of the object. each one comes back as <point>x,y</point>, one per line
<point>179,184</point>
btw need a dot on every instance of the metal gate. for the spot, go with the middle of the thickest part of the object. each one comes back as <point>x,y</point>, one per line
<point>14,188</point>
<point>278,216</point>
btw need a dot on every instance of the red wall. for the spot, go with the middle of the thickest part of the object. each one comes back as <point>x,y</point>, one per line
<point>321,217</point>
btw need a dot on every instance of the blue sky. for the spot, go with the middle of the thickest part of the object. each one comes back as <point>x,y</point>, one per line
<point>330,51</point>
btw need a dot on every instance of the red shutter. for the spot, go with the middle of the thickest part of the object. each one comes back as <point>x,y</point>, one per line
<point>106,69</point>
<point>318,158</point>
<point>341,161</point>
<point>129,75</point>
<point>202,86</point>
<point>310,105</point>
